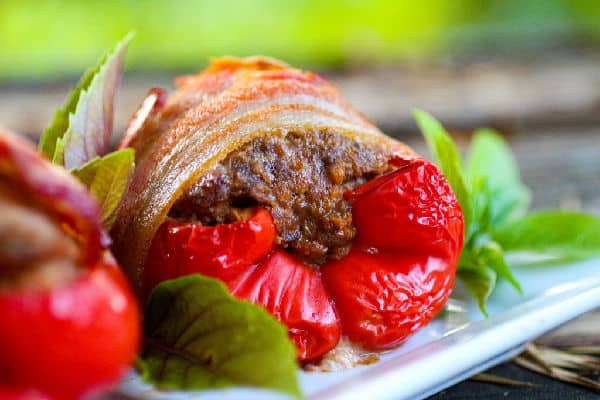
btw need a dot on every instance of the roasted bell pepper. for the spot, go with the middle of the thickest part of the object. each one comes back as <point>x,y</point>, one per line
<point>407,223</point>
<point>396,278</point>
<point>68,334</point>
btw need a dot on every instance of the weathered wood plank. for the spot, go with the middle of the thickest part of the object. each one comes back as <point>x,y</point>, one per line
<point>547,90</point>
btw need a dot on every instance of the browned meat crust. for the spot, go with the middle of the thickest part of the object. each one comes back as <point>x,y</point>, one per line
<point>301,178</point>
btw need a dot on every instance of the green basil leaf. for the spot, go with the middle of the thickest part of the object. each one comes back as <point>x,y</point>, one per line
<point>107,180</point>
<point>480,281</point>
<point>480,204</point>
<point>82,129</point>
<point>60,122</point>
<point>493,172</point>
<point>59,151</point>
<point>447,156</point>
<point>198,337</point>
<point>558,235</point>
<point>491,255</point>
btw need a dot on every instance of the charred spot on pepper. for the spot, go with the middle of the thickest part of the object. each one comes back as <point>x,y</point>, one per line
<point>300,178</point>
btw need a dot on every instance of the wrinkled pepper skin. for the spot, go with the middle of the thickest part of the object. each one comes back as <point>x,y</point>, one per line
<point>294,293</point>
<point>71,340</point>
<point>402,266</point>
<point>396,278</point>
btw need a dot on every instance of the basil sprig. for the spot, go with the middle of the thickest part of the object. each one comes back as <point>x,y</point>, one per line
<point>80,134</point>
<point>495,202</point>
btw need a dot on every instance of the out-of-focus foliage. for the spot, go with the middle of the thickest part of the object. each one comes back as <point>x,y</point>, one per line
<point>50,38</point>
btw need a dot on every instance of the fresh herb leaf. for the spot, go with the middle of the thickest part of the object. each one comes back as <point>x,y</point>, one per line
<point>59,151</point>
<point>560,235</point>
<point>491,255</point>
<point>198,337</point>
<point>447,156</point>
<point>494,202</point>
<point>480,281</point>
<point>60,122</point>
<point>480,203</point>
<point>107,179</point>
<point>480,267</point>
<point>493,172</point>
<point>82,129</point>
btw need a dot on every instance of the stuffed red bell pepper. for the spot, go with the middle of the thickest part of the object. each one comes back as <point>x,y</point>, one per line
<point>260,175</point>
<point>69,323</point>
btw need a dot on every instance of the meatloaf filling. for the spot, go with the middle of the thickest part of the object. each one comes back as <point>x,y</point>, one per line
<point>300,178</point>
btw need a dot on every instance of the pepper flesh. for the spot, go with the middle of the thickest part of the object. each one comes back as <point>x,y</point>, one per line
<point>244,257</point>
<point>396,278</point>
<point>21,394</point>
<point>70,340</point>
<point>294,293</point>
<point>223,251</point>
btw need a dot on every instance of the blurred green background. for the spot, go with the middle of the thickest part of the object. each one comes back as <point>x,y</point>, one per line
<point>526,67</point>
<point>50,39</point>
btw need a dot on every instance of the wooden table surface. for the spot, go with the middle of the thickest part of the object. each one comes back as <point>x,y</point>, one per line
<point>550,113</point>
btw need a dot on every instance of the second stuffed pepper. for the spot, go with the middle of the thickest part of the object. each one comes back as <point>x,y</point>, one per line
<point>260,175</point>
<point>69,323</point>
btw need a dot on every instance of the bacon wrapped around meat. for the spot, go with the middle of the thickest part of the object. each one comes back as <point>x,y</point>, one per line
<point>260,175</point>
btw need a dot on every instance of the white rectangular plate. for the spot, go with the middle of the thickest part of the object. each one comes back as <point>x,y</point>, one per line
<point>459,343</point>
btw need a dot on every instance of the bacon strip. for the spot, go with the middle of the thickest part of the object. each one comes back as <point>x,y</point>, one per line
<point>212,114</point>
<point>53,191</point>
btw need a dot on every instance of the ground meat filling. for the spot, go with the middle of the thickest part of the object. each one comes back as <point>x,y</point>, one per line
<point>301,178</point>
